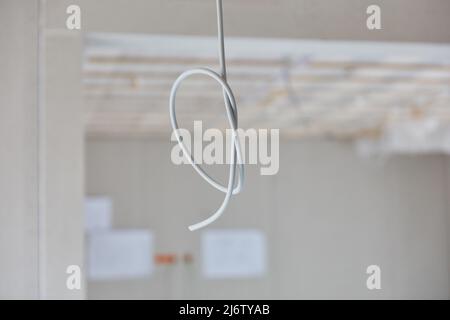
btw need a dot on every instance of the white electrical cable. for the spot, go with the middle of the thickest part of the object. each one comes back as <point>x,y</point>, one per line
<point>231,108</point>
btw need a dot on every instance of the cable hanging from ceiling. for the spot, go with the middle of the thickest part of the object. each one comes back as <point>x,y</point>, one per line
<point>234,187</point>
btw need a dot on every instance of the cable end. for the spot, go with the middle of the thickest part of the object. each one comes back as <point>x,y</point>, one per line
<point>192,228</point>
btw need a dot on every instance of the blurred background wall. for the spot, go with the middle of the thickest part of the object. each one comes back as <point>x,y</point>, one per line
<point>327,215</point>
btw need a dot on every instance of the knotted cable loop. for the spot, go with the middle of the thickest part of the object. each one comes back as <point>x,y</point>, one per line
<point>236,156</point>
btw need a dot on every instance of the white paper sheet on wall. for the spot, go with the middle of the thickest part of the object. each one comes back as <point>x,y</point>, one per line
<point>120,254</point>
<point>233,253</point>
<point>98,212</point>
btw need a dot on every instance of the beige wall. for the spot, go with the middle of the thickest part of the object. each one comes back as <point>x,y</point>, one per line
<point>327,215</point>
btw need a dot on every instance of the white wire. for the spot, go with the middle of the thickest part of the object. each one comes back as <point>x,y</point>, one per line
<point>231,108</point>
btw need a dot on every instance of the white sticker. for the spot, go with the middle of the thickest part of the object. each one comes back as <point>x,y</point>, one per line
<point>121,254</point>
<point>233,253</point>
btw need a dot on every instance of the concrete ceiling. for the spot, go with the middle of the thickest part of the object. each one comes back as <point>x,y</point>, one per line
<point>402,20</point>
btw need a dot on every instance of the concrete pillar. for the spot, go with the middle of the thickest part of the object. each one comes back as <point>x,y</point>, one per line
<point>41,154</point>
<point>18,149</point>
<point>63,172</point>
